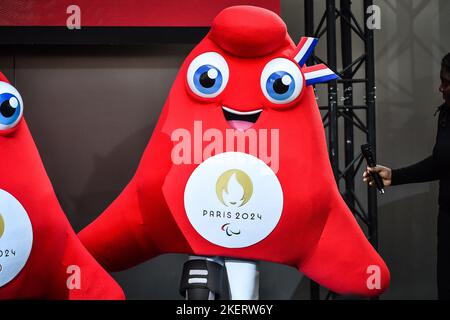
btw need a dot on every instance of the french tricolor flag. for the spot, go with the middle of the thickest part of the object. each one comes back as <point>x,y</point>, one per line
<point>319,73</point>
<point>304,50</point>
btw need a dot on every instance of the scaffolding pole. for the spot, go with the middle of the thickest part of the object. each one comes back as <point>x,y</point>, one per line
<point>365,211</point>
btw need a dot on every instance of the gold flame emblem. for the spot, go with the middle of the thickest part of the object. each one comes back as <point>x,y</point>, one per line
<point>234,188</point>
<point>2,226</point>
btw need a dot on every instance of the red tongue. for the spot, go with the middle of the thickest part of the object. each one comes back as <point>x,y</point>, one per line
<point>240,124</point>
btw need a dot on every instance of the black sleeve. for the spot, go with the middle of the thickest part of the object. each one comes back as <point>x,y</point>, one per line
<point>423,171</point>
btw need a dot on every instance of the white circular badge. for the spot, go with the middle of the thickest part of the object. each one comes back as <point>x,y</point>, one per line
<point>233,200</point>
<point>16,237</point>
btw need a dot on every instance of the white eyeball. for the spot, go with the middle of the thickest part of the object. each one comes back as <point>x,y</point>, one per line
<point>281,81</point>
<point>208,75</point>
<point>11,106</point>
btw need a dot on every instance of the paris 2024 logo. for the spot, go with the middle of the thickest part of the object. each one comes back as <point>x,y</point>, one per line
<point>233,200</point>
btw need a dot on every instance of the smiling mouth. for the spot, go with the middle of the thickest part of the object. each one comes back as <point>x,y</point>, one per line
<point>241,120</point>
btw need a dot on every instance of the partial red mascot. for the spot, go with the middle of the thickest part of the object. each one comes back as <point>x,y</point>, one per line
<point>40,255</point>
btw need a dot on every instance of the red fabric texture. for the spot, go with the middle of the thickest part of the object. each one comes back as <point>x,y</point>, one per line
<point>56,246</point>
<point>317,233</point>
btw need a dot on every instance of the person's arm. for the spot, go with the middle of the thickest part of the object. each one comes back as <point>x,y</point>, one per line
<point>423,171</point>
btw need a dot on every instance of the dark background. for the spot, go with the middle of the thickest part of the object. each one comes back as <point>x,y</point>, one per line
<point>92,109</point>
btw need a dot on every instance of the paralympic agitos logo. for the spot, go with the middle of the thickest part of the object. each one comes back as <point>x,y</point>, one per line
<point>234,189</point>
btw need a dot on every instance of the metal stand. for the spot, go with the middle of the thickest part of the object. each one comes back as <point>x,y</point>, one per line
<point>202,278</point>
<point>334,112</point>
<point>207,278</point>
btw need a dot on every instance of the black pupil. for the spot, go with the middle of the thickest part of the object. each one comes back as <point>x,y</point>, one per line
<point>6,110</point>
<point>206,81</point>
<point>279,87</point>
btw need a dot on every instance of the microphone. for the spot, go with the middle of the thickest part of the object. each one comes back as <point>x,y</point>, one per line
<point>370,158</point>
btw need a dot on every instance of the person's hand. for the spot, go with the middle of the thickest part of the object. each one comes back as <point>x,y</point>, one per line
<point>384,172</point>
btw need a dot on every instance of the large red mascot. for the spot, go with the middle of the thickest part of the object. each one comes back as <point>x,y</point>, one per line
<point>40,255</point>
<point>237,166</point>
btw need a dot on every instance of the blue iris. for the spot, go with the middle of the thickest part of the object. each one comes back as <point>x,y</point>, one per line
<point>10,109</point>
<point>208,79</point>
<point>280,85</point>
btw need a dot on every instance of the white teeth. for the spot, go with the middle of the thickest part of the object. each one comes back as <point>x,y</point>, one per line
<point>242,113</point>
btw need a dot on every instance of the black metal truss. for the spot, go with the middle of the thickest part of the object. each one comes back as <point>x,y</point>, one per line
<point>344,111</point>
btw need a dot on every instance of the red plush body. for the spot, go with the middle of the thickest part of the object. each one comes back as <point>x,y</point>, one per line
<point>49,257</point>
<point>315,233</point>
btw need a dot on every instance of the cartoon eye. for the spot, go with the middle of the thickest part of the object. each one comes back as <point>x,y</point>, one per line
<point>11,106</point>
<point>281,81</point>
<point>208,75</point>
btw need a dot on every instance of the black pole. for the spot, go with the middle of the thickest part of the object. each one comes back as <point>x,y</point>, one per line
<point>332,87</point>
<point>314,289</point>
<point>346,47</point>
<point>309,18</point>
<point>371,124</point>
